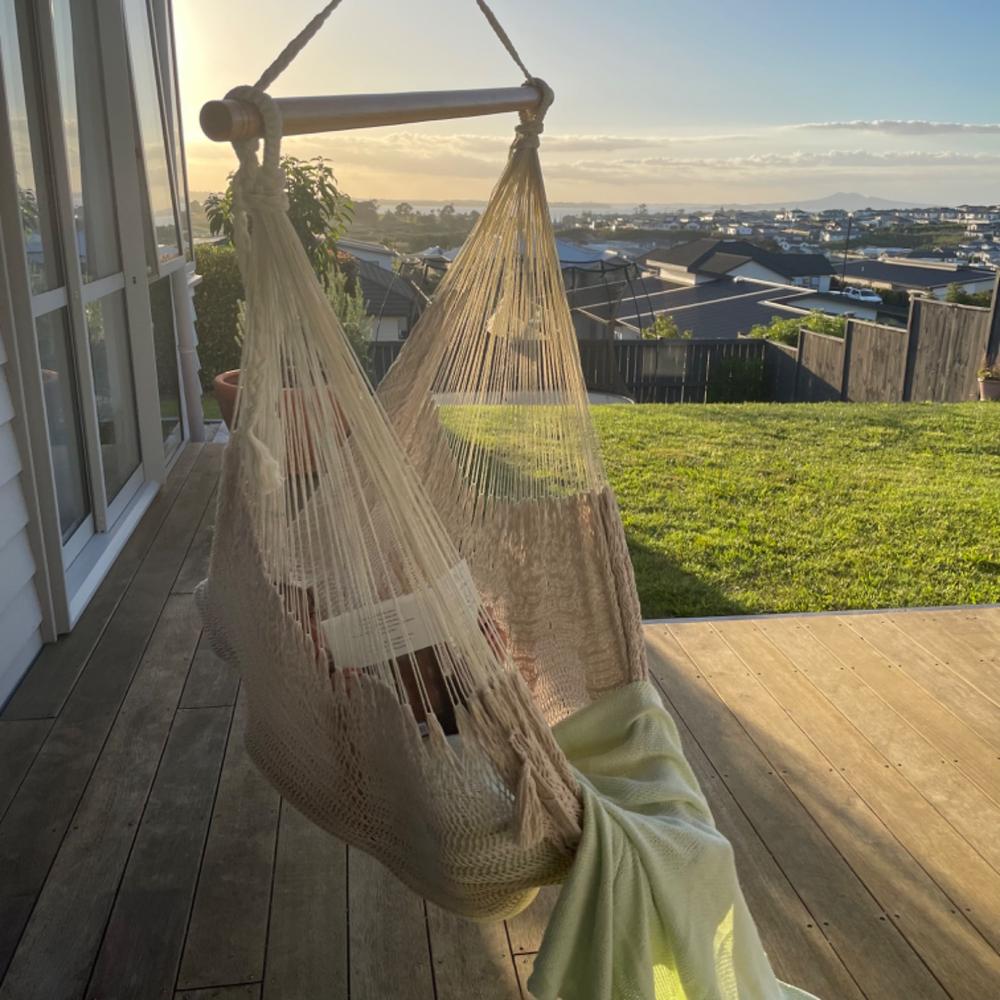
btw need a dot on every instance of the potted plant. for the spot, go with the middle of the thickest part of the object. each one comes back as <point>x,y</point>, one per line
<point>989,381</point>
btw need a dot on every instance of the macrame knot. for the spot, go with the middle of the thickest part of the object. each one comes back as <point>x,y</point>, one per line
<point>529,811</point>
<point>533,122</point>
<point>261,189</point>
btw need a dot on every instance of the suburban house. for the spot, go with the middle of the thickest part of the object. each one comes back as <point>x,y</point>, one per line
<point>929,277</point>
<point>375,253</point>
<point>98,368</point>
<point>393,301</point>
<point>706,260</point>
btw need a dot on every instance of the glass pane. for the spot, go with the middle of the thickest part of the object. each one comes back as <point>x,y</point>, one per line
<point>162,305</point>
<point>62,415</point>
<point>162,239</point>
<point>111,360</point>
<point>31,162</point>
<point>85,121</point>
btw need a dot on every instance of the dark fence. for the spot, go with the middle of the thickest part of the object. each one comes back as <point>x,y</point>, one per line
<point>652,371</point>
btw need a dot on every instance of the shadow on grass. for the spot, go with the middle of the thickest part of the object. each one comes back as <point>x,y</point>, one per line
<point>666,590</point>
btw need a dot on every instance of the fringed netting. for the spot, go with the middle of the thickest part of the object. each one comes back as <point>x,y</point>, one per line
<point>383,701</point>
<point>488,398</point>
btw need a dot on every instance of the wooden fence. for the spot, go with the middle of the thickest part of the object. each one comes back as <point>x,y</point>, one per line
<point>653,371</point>
<point>934,359</point>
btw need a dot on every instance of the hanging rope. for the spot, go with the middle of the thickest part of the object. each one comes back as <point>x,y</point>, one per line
<point>504,38</point>
<point>295,46</point>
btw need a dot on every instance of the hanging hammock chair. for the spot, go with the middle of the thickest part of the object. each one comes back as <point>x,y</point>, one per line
<point>417,587</point>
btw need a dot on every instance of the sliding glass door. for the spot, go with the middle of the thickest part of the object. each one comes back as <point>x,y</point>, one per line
<point>93,215</point>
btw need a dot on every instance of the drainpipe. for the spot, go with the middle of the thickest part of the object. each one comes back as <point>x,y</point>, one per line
<point>187,346</point>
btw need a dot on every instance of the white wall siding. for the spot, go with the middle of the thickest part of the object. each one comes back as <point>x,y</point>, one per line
<point>20,611</point>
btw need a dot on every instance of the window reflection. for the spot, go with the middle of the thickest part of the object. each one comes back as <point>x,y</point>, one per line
<point>111,360</point>
<point>61,416</point>
<point>32,169</point>
<point>86,127</point>
<point>161,231</point>
<point>164,341</point>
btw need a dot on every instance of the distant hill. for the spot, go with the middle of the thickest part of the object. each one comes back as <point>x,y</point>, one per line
<point>850,201</point>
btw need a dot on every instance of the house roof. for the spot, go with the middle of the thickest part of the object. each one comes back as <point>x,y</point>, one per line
<point>708,256</point>
<point>385,292</point>
<point>913,275</point>
<point>344,243</point>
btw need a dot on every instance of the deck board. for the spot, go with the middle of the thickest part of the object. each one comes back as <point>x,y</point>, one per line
<point>853,760</point>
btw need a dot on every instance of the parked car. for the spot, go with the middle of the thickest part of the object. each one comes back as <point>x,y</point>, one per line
<point>856,294</point>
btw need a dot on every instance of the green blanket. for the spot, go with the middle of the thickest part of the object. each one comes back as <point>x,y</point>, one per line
<point>652,907</point>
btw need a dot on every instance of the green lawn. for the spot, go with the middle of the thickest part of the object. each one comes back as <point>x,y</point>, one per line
<point>764,507</point>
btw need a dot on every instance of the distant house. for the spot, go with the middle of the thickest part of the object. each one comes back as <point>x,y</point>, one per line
<point>375,253</point>
<point>930,277</point>
<point>705,260</point>
<point>393,302</point>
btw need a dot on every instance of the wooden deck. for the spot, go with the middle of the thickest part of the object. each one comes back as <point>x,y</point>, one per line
<point>852,760</point>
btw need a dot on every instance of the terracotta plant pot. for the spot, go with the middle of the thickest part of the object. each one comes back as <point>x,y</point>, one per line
<point>989,388</point>
<point>226,386</point>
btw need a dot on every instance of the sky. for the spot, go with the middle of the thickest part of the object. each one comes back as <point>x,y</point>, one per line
<point>657,101</point>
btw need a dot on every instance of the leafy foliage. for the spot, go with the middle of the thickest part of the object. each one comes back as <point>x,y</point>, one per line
<point>318,210</point>
<point>959,296</point>
<point>786,331</point>
<point>665,328</point>
<point>216,301</point>
<point>348,303</point>
<point>806,507</point>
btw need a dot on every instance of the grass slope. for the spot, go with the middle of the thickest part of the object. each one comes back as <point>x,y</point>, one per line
<point>763,507</point>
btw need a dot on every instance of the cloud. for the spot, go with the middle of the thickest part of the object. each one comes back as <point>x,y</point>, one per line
<point>889,126</point>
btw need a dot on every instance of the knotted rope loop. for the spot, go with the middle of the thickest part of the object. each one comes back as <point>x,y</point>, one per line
<point>260,186</point>
<point>533,122</point>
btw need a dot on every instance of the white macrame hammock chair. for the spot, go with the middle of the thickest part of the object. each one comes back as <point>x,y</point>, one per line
<point>411,610</point>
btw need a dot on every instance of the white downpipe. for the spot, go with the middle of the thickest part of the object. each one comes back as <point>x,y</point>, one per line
<point>187,346</point>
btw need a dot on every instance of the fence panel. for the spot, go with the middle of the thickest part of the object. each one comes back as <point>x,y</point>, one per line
<point>780,367</point>
<point>821,367</point>
<point>947,349</point>
<point>877,364</point>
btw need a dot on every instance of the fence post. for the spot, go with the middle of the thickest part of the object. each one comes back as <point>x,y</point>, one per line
<point>798,367</point>
<point>912,343</point>
<point>993,338</point>
<point>845,374</point>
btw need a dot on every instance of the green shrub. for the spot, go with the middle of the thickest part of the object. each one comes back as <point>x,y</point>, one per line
<point>216,301</point>
<point>786,331</point>
<point>736,380</point>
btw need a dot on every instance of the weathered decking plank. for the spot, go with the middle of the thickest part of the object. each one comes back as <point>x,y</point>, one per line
<point>211,681</point>
<point>37,818</point>
<point>141,948</point>
<point>957,742</point>
<point>228,932</point>
<point>307,951</point>
<point>43,691</point>
<point>881,960</point>
<point>389,951</point>
<point>798,951</point>
<point>20,741</point>
<point>58,945</point>
<point>902,746</point>
<point>471,959</point>
<point>960,698</point>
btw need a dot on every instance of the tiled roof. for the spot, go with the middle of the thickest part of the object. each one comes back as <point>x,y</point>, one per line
<point>912,275</point>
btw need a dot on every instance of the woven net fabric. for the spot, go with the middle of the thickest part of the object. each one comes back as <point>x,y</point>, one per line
<point>383,698</point>
<point>488,399</point>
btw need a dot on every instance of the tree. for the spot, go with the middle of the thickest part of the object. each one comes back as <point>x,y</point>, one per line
<point>665,328</point>
<point>447,211</point>
<point>317,208</point>
<point>366,213</point>
<point>641,210</point>
<point>404,210</point>
<point>349,304</point>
